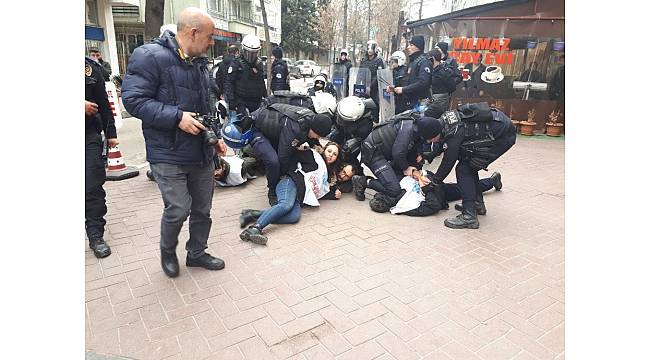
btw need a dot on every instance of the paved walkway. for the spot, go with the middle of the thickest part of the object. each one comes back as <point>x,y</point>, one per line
<point>345,282</point>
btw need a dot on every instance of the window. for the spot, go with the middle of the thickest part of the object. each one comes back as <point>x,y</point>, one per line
<point>216,5</point>
<point>91,12</point>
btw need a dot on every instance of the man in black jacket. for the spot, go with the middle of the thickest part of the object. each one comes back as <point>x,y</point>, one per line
<point>475,135</point>
<point>449,61</point>
<point>418,74</point>
<point>279,71</point>
<point>343,59</point>
<point>99,117</point>
<point>219,73</point>
<point>244,84</point>
<point>105,66</point>
<point>373,63</point>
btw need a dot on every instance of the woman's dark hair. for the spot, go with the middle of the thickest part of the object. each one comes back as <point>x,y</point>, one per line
<point>332,169</point>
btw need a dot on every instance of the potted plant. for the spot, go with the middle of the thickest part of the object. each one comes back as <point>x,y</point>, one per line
<point>528,126</point>
<point>553,127</point>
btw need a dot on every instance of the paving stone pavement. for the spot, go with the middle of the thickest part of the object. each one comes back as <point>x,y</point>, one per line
<point>343,283</point>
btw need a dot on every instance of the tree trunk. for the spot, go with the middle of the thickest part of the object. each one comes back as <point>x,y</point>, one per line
<point>153,18</point>
<point>345,25</point>
<point>420,15</point>
<point>267,39</point>
<point>369,21</point>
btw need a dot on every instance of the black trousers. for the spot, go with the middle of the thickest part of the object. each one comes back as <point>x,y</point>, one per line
<point>94,179</point>
<point>263,151</point>
<point>387,181</point>
<point>452,190</point>
<point>467,176</point>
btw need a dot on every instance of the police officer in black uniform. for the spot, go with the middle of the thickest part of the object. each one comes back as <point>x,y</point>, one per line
<point>397,63</point>
<point>221,69</point>
<point>99,117</point>
<point>279,71</point>
<point>244,85</point>
<point>390,151</point>
<point>279,131</point>
<point>418,74</point>
<point>343,60</point>
<point>474,135</point>
<point>374,63</point>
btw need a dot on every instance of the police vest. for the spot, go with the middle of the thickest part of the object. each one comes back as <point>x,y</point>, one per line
<point>276,116</point>
<point>289,97</point>
<point>473,119</point>
<point>250,84</point>
<point>383,136</point>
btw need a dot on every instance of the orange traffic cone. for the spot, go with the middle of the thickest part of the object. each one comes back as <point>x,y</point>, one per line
<point>117,169</point>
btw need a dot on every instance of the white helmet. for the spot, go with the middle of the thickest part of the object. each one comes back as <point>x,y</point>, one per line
<point>350,108</point>
<point>320,78</point>
<point>324,103</point>
<point>250,47</point>
<point>170,27</point>
<point>399,57</point>
<point>372,45</point>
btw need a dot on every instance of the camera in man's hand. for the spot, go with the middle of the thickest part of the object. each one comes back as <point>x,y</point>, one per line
<point>209,135</point>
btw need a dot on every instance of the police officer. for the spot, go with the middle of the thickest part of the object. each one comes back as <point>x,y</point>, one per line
<point>220,71</point>
<point>418,75</point>
<point>244,85</point>
<point>353,124</point>
<point>99,117</point>
<point>390,151</point>
<point>442,80</point>
<point>373,63</point>
<point>397,63</point>
<point>279,71</point>
<point>280,130</point>
<point>343,60</point>
<point>474,135</point>
<point>450,61</point>
<point>321,85</point>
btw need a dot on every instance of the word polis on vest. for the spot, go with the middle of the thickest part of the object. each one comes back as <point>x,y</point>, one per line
<point>466,50</point>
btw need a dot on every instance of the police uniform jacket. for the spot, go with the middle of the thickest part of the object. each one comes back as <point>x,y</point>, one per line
<point>442,80</point>
<point>160,83</point>
<point>418,78</point>
<point>96,92</point>
<point>373,64</point>
<point>280,75</point>
<point>399,150</point>
<point>399,79</point>
<point>244,82</point>
<point>222,69</point>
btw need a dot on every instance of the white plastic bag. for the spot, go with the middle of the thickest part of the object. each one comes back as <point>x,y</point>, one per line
<point>412,199</point>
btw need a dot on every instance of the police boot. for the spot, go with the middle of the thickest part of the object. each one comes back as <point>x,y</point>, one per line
<point>150,175</point>
<point>99,247</point>
<point>465,220</point>
<point>496,177</point>
<point>359,184</point>
<point>169,262</point>
<point>273,198</point>
<point>479,206</point>
<point>254,235</point>
<point>248,216</point>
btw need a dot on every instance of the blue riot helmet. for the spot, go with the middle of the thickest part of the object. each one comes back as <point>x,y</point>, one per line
<point>238,132</point>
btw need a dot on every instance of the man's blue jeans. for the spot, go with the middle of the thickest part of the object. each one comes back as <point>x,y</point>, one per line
<point>287,210</point>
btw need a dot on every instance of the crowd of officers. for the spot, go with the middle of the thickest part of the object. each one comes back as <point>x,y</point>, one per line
<point>181,151</point>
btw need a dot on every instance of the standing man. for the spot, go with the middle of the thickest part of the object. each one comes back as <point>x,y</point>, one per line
<point>105,66</point>
<point>279,71</point>
<point>451,62</point>
<point>398,64</point>
<point>244,85</point>
<point>343,60</point>
<point>374,63</point>
<point>475,135</point>
<point>219,74</point>
<point>99,117</point>
<point>418,74</point>
<point>166,84</point>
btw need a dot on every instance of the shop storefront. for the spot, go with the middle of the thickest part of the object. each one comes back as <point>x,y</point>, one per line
<point>520,44</point>
<point>223,39</point>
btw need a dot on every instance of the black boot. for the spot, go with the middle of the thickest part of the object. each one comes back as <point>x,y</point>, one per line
<point>480,208</point>
<point>359,184</point>
<point>465,220</point>
<point>254,235</point>
<point>99,247</point>
<point>273,198</point>
<point>169,262</point>
<point>206,261</point>
<point>248,216</point>
<point>496,177</point>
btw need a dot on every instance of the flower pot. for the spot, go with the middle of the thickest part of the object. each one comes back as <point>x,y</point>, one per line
<point>527,127</point>
<point>554,129</point>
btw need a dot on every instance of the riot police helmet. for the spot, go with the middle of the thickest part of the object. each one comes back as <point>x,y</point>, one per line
<point>250,47</point>
<point>324,103</point>
<point>233,134</point>
<point>398,57</point>
<point>350,109</point>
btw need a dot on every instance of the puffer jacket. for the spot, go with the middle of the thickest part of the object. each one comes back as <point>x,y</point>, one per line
<point>159,85</point>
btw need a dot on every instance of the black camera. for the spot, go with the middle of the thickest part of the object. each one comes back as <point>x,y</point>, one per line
<point>209,135</point>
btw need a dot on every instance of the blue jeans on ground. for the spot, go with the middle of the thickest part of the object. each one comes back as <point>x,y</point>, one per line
<point>186,191</point>
<point>287,210</point>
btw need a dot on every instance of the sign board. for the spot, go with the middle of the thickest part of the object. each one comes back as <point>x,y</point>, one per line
<point>114,102</point>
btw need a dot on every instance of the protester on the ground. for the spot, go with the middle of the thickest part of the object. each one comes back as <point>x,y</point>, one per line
<point>442,80</point>
<point>106,70</point>
<point>306,182</point>
<point>166,84</point>
<point>418,75</point>
<point>475,135</point>
<point>279,71</point>
<point>99,117</point>
<point>244,85</point>
<point>280,130</point>
<point>397,63</point>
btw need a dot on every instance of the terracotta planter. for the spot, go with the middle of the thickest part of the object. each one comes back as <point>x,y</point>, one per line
<point>554,129</point>
<point>527,127</point>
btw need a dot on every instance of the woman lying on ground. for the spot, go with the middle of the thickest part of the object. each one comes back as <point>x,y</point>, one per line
<point>306,183</point>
